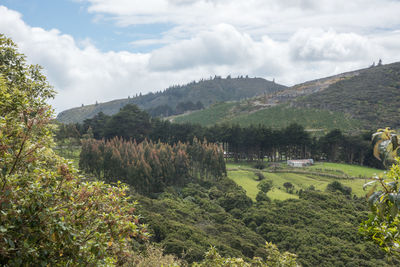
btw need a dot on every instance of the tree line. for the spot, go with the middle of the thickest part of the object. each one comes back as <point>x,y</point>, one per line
<point>150,167</point>
<point>254,143</point>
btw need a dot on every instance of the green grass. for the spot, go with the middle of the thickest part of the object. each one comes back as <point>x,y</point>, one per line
<point>212,115</point>
<point>279,116</point>
<point>245,179</point>
<point>244,176</point>
<point>283,115</point>
<point>351,170</point>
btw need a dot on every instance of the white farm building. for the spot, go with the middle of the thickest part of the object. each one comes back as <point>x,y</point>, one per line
<point>300,162</point>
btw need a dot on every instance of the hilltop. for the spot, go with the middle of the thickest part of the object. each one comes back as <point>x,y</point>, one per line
<point>178,99</point>
<point>361,99</point>
<point>372,96</point>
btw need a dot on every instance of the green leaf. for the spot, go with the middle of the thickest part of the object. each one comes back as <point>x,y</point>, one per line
<point>374,197</point>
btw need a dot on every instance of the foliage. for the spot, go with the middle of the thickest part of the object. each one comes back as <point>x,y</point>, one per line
<point>288,186</point>
<point>265,186</point>
<point>129,123</point>
<point>261,196</point>
<point>202,93</point>
<point>186,221</point>
<point>372,96</point>
<point>252,143</point>
<point>319,227</point>
<point>153,256</point>
<point>259,176</point>
<point>383,224</point>
<point>259,165</point>
<point>337,186</point>
<point>150,167</point>
<point>274,259</point>
<point>49,215</point>
<point>385,143</point>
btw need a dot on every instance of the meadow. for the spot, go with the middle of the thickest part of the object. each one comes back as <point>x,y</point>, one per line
<point>246,114</point>
<point>318,175</point>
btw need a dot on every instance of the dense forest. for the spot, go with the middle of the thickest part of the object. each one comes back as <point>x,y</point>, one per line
<point>150,167</point>
<point>254,143</point>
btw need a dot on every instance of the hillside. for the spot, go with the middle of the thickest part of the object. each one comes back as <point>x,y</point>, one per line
<point>178,99</point>
<point>362,99</point>
<point>277,116</point>
<point>373,96</point>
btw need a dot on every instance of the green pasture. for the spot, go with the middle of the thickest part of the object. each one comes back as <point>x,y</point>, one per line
<point>244,175</point>
<point>212,115</point>
<point>351,170</point>
<point>315,120</point>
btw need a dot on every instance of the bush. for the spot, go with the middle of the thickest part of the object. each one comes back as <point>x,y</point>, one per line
<point>260,165</point>
<point>49,214</point>
<point>337,186</point>
<point>265,186</point>
<point>259,176</point>
<point>261,196</point>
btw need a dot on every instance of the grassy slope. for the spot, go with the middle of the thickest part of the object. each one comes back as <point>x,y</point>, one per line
<point>275,117</point>
<point>283,115</point>
<point>373,96</point>
<point>209,116</point>
<point>244,176</point>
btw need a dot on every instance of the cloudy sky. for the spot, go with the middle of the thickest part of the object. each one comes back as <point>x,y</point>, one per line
<point>100,50</point>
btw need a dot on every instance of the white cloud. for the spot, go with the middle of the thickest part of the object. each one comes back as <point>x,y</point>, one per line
<point>291,41</point>
<point>223,45</point>
<point>318,45</point>
<point>285,17</point>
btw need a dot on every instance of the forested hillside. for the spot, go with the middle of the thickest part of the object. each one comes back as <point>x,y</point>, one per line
<point>364,99</point>
<point>373,96</point>
<point>178,99</point>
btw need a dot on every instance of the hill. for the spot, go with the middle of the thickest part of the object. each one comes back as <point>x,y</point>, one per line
<point>278,116</point>
<point>373,96</point>
<point>178,99</point>
<point>362,99</point>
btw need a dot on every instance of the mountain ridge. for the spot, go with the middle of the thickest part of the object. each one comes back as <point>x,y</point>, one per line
<point>204,92</point>
<point>340,101</point>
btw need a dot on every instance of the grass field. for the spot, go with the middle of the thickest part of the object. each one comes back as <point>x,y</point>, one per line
<point>212,115</point>
<point>276,117</point>
<point>351,170</point>
<point>245,176</point>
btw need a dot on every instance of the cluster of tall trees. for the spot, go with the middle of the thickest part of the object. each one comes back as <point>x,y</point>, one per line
<point>150,167</point>
<point>240,143</point>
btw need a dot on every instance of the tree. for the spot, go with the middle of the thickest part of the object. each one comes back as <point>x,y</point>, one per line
<point>129,123</point>
<point>274,259</point>
<point>49,214</point>
<point>384,197</point>
<point>331,144</point>
<point>288,186</point>
<point>265,186</point>
<point>337,186</point>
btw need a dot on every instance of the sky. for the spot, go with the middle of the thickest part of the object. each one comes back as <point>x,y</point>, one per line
<point>101,50</point>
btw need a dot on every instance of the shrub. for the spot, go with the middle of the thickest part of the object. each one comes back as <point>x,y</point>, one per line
<point>260,165</point>
<point>259,176</point>
<point>50,215</point>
